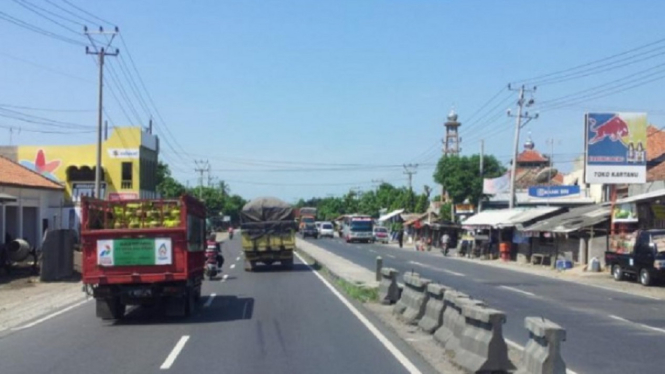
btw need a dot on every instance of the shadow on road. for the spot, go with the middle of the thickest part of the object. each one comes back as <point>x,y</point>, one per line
<point>278,268</point>
<point>223,309</point>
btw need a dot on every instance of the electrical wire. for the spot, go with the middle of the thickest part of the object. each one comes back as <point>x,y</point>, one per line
<point>4,16</point>
<point>30,7</point>
<point>46,109</point>
<point>87,13</point>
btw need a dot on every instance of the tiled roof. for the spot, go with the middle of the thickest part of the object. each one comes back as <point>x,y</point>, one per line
<point>13,174</point>
<point>526,177</point>
<point>529,155</point>
<point>655,150</point>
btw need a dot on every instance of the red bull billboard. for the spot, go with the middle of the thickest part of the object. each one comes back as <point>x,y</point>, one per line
<point>616,148</point>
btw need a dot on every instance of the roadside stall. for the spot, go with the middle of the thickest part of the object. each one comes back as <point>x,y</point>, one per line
<point>482,234</point>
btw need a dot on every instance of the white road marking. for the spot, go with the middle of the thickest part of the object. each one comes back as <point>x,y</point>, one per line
<point>453,273</point>
<point>391,256</point>
<point>238,258</point>
<point>637,324</point>
<point>210,299</point>
<point>408,365</point>
<point>371,250</point>
<point>174,353</point>
<point>233,266</point>
<point>49,316</point>
<point>521,348</point>
<point>417,263</point>
<point>517,290</point>
<point>224,277</point>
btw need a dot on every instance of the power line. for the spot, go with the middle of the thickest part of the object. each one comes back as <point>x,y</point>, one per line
<point>54,71</point>
<point>30,7</point>
<point>87,13</point>
<point>52,13</point>
<point>25,25</point>
<point>46,109</point>
<point>86,20</point>
<point>605,59</point>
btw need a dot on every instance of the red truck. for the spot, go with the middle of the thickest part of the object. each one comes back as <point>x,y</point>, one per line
<point>143,252</point>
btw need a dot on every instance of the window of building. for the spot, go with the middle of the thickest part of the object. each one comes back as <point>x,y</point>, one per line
<point>127,175</point>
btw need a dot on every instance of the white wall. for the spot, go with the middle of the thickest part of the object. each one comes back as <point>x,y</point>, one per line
<point>594,191</point>
<point>48,206</point>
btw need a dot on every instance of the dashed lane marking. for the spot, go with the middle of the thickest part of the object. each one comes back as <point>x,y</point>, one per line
<point>170,359</point>
<point>517,290</point>
<point>210,299</point>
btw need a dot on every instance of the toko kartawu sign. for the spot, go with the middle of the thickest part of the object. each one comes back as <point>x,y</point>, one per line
<point>616,148</point>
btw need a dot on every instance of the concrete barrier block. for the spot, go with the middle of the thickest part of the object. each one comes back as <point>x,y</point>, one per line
<point>388,289</point>
<point>482,347</point>
<point>459,323</point>
<point>401,304</point>
<point>433,317</point>
<point>416,297</point>
<point>450,313</point>
<point>542,353</point>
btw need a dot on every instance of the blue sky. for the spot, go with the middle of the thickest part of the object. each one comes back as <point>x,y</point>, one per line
<point>304,86</point>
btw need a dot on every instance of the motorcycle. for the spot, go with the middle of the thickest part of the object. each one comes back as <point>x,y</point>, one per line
<point>212,267</point>
<point>230,235</point>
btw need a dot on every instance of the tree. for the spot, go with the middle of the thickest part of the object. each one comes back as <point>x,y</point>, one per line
<point>460,175</point>
<point>167,186</point>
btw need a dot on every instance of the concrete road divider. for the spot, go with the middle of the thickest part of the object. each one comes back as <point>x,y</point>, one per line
<point>433,317</point>
<point>450,313</point>
<point>388,289</point>
<point>415,298</point>
<point>482,348</point>
<point>459,324</point>
<point>542,354</point>
<point>404,298</point>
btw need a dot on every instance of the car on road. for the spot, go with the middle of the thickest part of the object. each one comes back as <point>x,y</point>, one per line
<point>644,261</point>
<point>309,230</point>
<point>381,235</point>
<point>326,230</point>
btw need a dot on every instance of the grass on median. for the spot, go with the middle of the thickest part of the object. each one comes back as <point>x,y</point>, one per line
<point>355,291</point>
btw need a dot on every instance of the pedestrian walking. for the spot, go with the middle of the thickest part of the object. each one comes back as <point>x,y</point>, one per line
<point>400,238</point>
<point>445,241</point>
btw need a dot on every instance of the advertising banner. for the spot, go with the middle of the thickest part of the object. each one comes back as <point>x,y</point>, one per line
<point>123,153</point>
<point>464,208</point>
<point>496,185</point>
<point>81,189</point>
<point>616,148</point>
<point>135,251</point>
<point>624,213</point>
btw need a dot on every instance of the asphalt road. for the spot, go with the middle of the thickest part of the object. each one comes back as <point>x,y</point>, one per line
<point>607,331</point>
<point>269,321</point>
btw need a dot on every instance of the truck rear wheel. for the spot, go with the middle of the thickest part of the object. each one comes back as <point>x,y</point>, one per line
<point>645,277</point>
<point>617,273</point>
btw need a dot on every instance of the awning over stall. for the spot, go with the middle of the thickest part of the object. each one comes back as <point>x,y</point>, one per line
<point>492,218</point>
<point>573,220</point>
<point>390,215</point>
<point>528,215</point>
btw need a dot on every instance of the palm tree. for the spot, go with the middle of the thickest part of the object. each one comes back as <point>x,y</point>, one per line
<point>224,188</point>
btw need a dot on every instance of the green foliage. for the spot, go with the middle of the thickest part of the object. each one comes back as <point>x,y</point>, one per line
<point>218,199</point>
<point>445,211</point>
<point>460,175</point>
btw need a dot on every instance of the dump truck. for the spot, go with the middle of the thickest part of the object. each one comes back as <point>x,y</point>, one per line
<point>268,230</point>
<point>304,216</point>
<point>143,252</point>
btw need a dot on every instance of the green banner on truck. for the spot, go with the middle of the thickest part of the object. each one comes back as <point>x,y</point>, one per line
<point>136,251</point>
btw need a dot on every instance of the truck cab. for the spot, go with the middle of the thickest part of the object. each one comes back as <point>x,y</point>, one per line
<point>645,260</point>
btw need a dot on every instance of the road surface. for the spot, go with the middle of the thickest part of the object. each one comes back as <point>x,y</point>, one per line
<point>607,332</point>
<point>260,322</point>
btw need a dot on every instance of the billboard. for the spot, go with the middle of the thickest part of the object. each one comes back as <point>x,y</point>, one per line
<point>616,148</point>
<point>546,192</point>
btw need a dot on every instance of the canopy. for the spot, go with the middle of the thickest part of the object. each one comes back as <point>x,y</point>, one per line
<point>573,220</point>
<point>642,197</point>
<point>266,209</point>
<point>7,198</point>
<point>528,215</point>
<point>492,218</point>
<point>390,215</point>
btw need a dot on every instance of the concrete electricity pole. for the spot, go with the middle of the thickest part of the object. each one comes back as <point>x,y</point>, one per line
<point>482,160</point>
<point>410,169</point>
<point>101,53</point>
<point>518,126</point>
<point>201,167</point>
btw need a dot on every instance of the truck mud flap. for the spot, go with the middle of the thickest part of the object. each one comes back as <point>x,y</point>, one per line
<point>109,308</point>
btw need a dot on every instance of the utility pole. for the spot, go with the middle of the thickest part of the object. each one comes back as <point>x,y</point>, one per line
<point>11,133</point>
<point>101,53</point>
<point>482,165</point>
<point>518,126</point>
<point>106,130</point>
<point>410,169</point>
<point>201,167</point>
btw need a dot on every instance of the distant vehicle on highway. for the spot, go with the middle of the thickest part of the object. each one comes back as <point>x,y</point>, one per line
<point>310,230</point>
<point>326,229</point>
<point>381,235</point>
<point>358,228</point>
<point>645,260</point>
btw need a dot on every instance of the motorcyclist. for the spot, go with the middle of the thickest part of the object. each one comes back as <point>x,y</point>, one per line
<point>230,232</point>
<point>212,241</point>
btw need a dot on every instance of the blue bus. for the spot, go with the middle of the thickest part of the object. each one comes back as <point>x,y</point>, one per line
<point>358,227</point>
